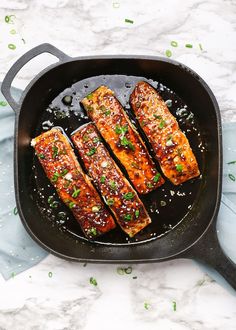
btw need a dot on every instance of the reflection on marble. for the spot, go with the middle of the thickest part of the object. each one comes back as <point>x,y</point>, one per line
<point>67,300</point>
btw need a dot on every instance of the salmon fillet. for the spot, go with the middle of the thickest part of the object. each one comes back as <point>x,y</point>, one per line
<point>72,184</point>
<point>171,146</point>
<point>116,190</point>
<point>115,127</point>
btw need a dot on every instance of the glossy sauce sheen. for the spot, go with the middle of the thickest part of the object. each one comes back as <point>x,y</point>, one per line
<point>118,193</point>
<point>73,186</point>
<point>172,149</point>
<point>117,130</point>
<point>166,206</point>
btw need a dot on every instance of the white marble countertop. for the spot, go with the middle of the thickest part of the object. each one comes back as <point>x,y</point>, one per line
<point>33,300</point>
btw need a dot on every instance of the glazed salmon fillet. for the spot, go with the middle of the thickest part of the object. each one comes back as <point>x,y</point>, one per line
<point>116,190</point>
<point>171,146</point>
<point>115,127</point>
<point>71,183</point>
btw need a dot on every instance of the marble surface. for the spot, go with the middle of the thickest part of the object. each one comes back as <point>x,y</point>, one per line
<point>67,300</point>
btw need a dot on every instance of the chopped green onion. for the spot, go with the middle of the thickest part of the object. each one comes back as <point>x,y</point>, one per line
<point>49,274</point>
<point>232,177</point>
<point>41,156</point>
<point>85,137</point>
<point>89,96</point>
<point>92,231</point>
<point>162,124</point>
<point>11,46</point>
<point>71,205</point>
<point>121,129</point>
<point>146,305</point>
<point>120,270</point>
<point>55,177</point>
<point>149,185</point>
<point>103,179</point>
<point>8,19</point>
<point>143,123</point>
<point>107,113</point>
<point>129,21</point>
<point>232,162</point>
<point>64,172</point>
<point>162,203</point>
<point>113,185</point>
<point>157,116</point>
<point>168,53</point>
<point>200,46</point>
<point>92,151</point>
<point>54,151</point>
<point>127,217</point>
<point>179,167</point>
<point>3,103</point>
<point>128,270</point>
<point>96,208</point>
<point>174,43</point>
<point>54,204</point>
<point>50,199</point>
<point>174,305</point>
<point>135,165</point>
<point>128,195</point>
<point>15,211</point>
<point>93,281</point>
<point>96,140</point>
<point>13,31</point>
<point>157,177</point>
<point>76,192</point>
<point>189,46</point>
<point>110,201</point>
<point>137,212</point>
<point>126,143</point>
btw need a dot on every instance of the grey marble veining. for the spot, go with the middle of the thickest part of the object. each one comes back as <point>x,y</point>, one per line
<point>32,300</point>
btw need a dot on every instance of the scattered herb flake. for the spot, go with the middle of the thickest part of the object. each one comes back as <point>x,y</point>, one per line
<point>96,140</point>
<point>120,270</point>
<point>89,96</point>
<point>200,46</point>
<point>162,124</point>
<point>54,204</point>
<point>92,231</point>
<point>103,179</point>
<point>3,103</point>
<point>110,201</point>
<point>137,212</point>
<point>157,177</point>
<point>157,116</point>
<point>92,151</point>
<point>232,162</point>
<point>107,113</point>
<point>15,211</point>
<point>55,177</point>
<point>23,40</point>
<point>134,277</point>
<point>54,152</point>
<point>232,177</point>
<point>146,305</point>
<point>85,137</point>
<point>76,192</point>
<point>128,270</point>
<point>13,31</point>
<point>149,185</point>
<point>41,156</point>
<point>121,129</point>
<point>127,217</point>
<point>128,195</point>
<point>93,281</point>
<point>71,205</point>
<point>8,19</point>
<point>127,143</point>
<point>13,274</point>
<point>174,305</point>
<point>168,53</point>
<point>189,46</point>
<point>129,21</point>
<point>179,167</point>
<point>64,172</point>
<point>11,46</point>
<point>50,274</point>
<point>113,185</point>
<point>50,199</point>
<point>174,43</point>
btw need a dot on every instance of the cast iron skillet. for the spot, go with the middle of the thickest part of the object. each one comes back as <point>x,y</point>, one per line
<point>195,236</point>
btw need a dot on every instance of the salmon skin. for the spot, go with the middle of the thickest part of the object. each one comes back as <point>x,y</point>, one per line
<point>115,127</point>
<point>116,190</point>
<point>171,146</point>
<point>72,184</point>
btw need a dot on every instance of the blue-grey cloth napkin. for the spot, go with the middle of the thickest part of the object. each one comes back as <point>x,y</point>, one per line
<point>19,252</point>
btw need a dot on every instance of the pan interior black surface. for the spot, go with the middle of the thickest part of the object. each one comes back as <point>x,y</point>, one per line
<point>167,206</point>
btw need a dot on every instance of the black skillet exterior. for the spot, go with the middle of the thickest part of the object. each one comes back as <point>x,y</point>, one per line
<point>196,236</point>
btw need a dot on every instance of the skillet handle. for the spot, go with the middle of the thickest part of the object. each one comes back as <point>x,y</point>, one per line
<point>18,65</point>
<point>208,250</point>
